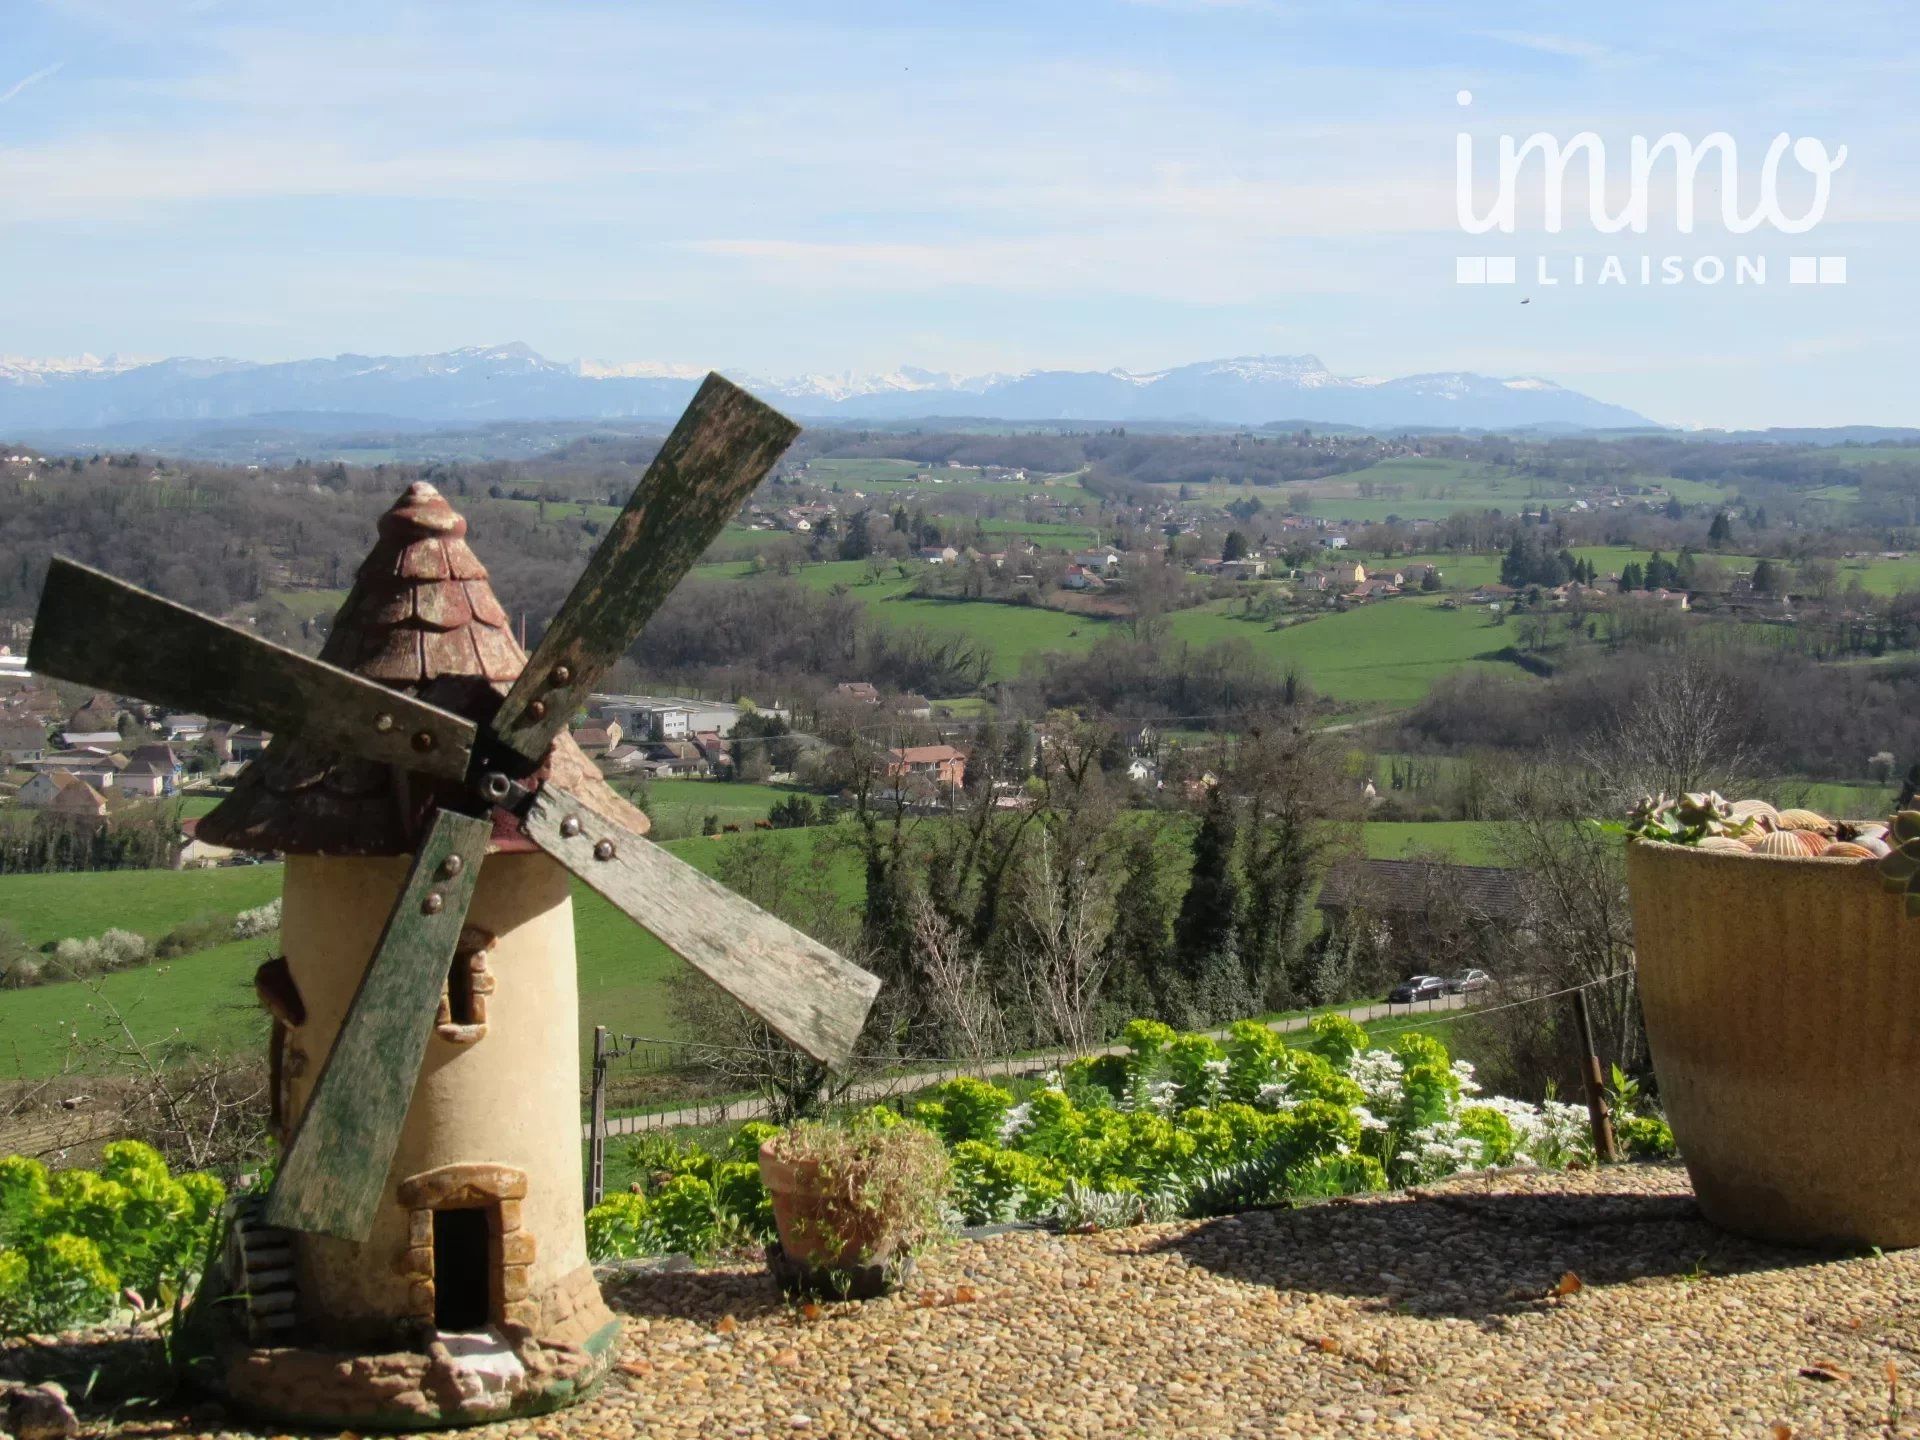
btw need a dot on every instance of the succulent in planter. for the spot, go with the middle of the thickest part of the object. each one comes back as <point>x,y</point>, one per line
<point>1708,822</point>
<point>852,1203</point>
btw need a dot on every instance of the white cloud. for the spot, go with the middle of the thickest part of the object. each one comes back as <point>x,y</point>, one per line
<point>18,86</point>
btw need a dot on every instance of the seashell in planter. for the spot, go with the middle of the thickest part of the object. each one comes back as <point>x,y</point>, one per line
<point>1803,820</point>
<point>1782,1000</point>
<point>1756,810</point>
<point>1723,844</point>
<point>1783,843</point>
<point>1846,850</point>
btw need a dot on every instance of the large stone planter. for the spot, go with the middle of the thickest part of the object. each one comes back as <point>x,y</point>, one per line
<point>1782,1000</point>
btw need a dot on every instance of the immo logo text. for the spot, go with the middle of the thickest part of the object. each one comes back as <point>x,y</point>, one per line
<point>1665,173</point>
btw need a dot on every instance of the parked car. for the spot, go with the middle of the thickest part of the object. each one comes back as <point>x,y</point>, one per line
<point>1417,987</point>
<point>1468,982</point>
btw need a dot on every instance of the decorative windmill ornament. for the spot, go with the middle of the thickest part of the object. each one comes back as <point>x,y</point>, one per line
<point>426,1066</point>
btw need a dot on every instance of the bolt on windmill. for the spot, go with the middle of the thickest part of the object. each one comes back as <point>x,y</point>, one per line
<point>420,1257</point>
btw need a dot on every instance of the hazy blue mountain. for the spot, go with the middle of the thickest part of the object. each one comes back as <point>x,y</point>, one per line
<point>485,384</point>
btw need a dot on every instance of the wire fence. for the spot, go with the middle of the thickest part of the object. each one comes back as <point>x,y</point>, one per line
<point>898,1076</point>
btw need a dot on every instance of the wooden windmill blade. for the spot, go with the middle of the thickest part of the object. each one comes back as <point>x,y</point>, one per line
<point>721,449</point>
<point>808,994</point>
<point>333,1173</point>
<point>95,630</point>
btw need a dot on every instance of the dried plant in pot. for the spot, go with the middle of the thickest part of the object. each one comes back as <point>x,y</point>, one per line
<point>1779,965</point>
<point>852,1203</point>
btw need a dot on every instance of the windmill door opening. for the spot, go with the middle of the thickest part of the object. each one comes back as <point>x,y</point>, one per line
<point>462,1269</point>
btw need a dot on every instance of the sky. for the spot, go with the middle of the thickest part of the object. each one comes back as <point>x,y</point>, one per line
<point>805,187</point>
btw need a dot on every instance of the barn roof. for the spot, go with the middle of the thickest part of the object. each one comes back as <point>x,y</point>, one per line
<point>421,618</point>
<point>1388,887</point>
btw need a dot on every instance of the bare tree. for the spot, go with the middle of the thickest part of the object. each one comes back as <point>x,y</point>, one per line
<point>1060,957</point>
<point>1687,726</point>
<point>954,975</point>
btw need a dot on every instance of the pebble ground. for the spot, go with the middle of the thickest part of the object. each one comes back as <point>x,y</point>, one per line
<point>1521,1304</point>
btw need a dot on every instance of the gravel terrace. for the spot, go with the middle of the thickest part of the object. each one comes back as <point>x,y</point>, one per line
<point>1525,1303</point>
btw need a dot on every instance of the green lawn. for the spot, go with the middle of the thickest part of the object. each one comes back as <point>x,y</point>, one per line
<point>1013,631</point>
<point>208,998</point>
<point>1465,842</point>
<point>152,902</point>
<point>677,806</point>
<point>1388,652</point>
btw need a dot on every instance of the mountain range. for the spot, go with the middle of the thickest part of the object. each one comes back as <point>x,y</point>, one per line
<point>487,384</point>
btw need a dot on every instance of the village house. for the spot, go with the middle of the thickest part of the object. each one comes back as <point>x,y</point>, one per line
<point>596,737</point>
<point>61,792</point>
<point>913,707</point>
<point>83,739</point>
<point>1100,561</point>
<point>79,800</point>
<point>942,764</point>
<point>236,744</point>
<point>622,759</point>
<point>102,714</point>
<point>670,759</point>
<point>938,554</point>
<point>21,740</point>
<point>184,727</point>
<point>195,853</point>
<point>858,691</point>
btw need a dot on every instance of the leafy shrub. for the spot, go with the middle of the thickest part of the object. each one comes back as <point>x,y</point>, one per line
<point>992,1185</point>
<point>261,920</point>
<point>1176,1124</point>
<point>965,1109</point>
<point>1646,1137</point>
<point>193,936</point>
<point>75,1239</point>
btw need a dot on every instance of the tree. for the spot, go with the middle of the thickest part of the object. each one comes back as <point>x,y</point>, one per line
<point>1766,578</point>
<point>1295,794</point>
<point>1140,943</point>
<point>1234,547</point>
<point>1211,986</point>
<point>1430,581</point>
<point>856,543</point>
<point>1721,531</point>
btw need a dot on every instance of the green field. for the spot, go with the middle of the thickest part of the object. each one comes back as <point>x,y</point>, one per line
<point>677,807</point>
<point>207,998</point>
<point>152,902</point>
<point>1387,653</point>
<point>1465,842</point>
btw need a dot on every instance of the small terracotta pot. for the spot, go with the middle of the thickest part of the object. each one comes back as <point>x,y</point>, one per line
<point>1782,998</point>
<point>818,1227</point>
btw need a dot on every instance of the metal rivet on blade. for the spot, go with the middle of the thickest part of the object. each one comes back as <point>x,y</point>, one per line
<point>562,675</point>
<point>453,865</point>
<point>383,722</point>
<point>423,741</point>
<point>496,786</point>
<point>603,850</point>
<point>537,709</point>
<point>434,903</point>
<point>570,827</point>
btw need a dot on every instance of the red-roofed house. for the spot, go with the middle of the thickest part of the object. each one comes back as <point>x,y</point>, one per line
<point>940,763</point>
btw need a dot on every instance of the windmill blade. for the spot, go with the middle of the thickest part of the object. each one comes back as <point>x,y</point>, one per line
<point>333,1175</point>
<point>723,446</point>
<point>807,993</point>
<point>96,630</point>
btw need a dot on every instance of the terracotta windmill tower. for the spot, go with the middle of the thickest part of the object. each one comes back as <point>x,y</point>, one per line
<point>420,1257</point>
<point>483,1228</point>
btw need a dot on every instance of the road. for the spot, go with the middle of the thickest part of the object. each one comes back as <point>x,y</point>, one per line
<point>733,1112</point>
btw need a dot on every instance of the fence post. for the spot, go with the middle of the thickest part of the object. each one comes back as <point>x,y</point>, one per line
<point>1603,1143</point>
<point>597,1144</point>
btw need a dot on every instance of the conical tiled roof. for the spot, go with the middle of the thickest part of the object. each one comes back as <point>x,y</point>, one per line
<point>421,618</point>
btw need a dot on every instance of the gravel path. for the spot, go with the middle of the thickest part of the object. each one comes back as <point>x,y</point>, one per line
<point>1426,1314</point>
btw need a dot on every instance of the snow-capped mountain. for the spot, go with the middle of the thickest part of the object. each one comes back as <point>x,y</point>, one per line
<point>514,382</point>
